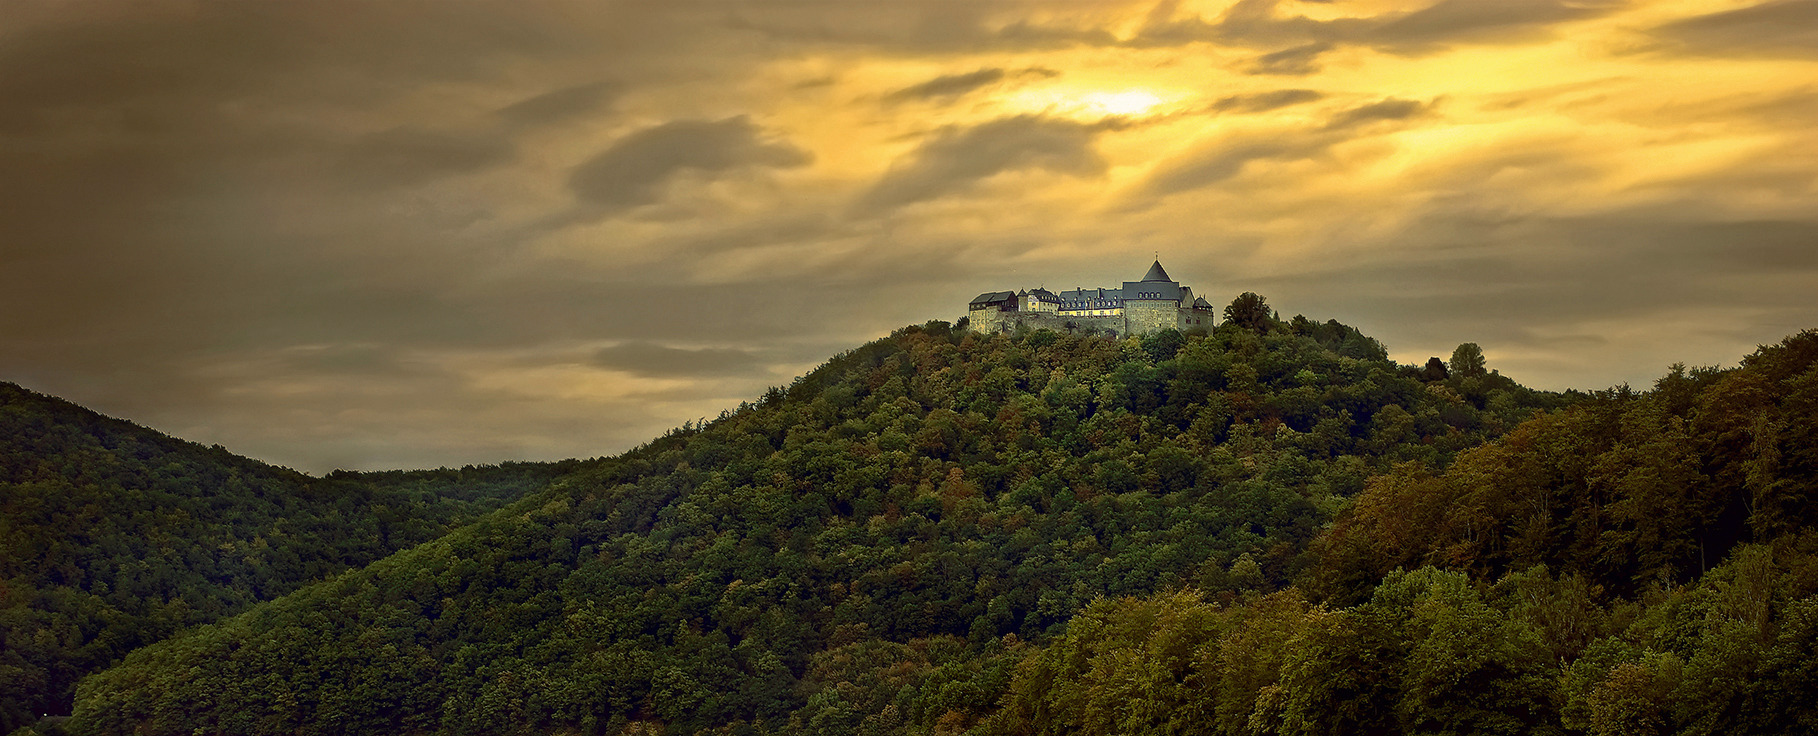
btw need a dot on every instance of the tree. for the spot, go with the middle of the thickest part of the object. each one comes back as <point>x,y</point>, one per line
<point>1249,311</point>
<point>1467,361</point>
<point>1435,370</point>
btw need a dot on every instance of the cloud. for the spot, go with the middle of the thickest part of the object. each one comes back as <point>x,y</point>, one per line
<point>409,155</point>
<point>560,105</point>
<point>786,229</point>
<point>1783,28</point>
<point>1265,101</point>
<point>1296,61</point>
<point>318,232</point>
<point>1261,24</point>
<point>1483,21</point>
<point>957,157</point>
<point>1601,299</point>
<point>1227,158</point>
<point>949,86</point>
<point>634,170</point>
<point>917,27</point>
<point>652,359</point>
<point>1389,109</point>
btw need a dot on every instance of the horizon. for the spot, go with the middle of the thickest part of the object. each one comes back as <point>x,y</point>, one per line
<point>697,421</point>
<point>418,235</point>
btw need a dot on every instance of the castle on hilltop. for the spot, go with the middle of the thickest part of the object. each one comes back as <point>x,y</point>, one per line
<point>1154,303</point>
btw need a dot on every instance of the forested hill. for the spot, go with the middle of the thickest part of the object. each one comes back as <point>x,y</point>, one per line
<point>113,536</point>
<point>870,550</point>
<point>1641,563</point>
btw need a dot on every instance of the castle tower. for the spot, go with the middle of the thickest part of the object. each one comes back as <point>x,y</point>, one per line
<point>1154,303</point>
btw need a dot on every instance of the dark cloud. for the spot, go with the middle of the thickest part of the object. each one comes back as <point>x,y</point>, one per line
<point>1611,266</point>
<point>1297,61</point>
<point>955,158</point>
<point>914,27</point>
<point>357,360</point>
<point>1483,21</point>
<point>1746,247</point>
<point>1266,101</point>
<point>408,155</point>
<point>1783,28</point>
<point>1038,36</point>
<point>1263,24</point>
<point>949,86</point>
<point>635,169</point>
<point>1798,108</point>
<point>1586,301</point>
<point>652,359</point>
<point>1226,160</point>
<point>783,230</point>
<point>1257,24</point>
<point>165,56</point>
<point>1389,109</point>
<point>561,105</point>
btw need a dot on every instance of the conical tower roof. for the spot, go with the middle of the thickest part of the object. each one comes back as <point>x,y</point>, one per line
<point>1157,273</point>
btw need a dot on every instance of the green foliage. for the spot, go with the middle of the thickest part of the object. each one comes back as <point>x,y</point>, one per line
<point>1624,494</point>
<point>865,550</point>
<point>1434,652</point>
<point>1250,311</point>
<point>113,537</point>
<point>1627,490</point>
<point>1467,361</point>
<point>944,533</point>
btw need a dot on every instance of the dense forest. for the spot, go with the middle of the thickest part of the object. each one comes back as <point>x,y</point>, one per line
<point>113,536</point>
<point>1640,563</point>
<point>938,499</point>
<point>1267,529</point>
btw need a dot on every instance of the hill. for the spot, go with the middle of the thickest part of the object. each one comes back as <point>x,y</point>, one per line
<point>871,549</point>
<point>113,536</point>
<point>1639,563</point>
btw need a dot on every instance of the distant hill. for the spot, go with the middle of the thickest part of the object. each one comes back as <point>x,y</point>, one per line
<point>872,549</point>
<point>113,536</point>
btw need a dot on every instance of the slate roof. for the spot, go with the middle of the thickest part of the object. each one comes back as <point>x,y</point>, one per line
<point>1157,273</point>
<point>1156,285</point>
<point>991,297</point>
<point>1092,298</point>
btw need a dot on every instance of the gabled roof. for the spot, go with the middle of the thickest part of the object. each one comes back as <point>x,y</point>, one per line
<point>993,297</point>
<point>1112,295</point>
<point>1157,273</point>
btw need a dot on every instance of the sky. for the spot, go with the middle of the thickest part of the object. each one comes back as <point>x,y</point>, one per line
<point>396,234</point>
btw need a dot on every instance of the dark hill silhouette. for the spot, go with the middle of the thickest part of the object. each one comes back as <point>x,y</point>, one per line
<point>113,536</point>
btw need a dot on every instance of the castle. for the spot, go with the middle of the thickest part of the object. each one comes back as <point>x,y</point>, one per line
<point>1154,303</point>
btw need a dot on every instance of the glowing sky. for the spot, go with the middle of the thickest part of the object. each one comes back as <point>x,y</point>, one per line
<point>389,234</point>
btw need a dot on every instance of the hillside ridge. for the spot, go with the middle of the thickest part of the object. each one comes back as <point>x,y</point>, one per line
<point>113,536</point>
<point>938,497</point>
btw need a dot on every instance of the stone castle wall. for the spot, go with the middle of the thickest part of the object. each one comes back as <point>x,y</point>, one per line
<point>1144,315</point>
<point>1150,317</point>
